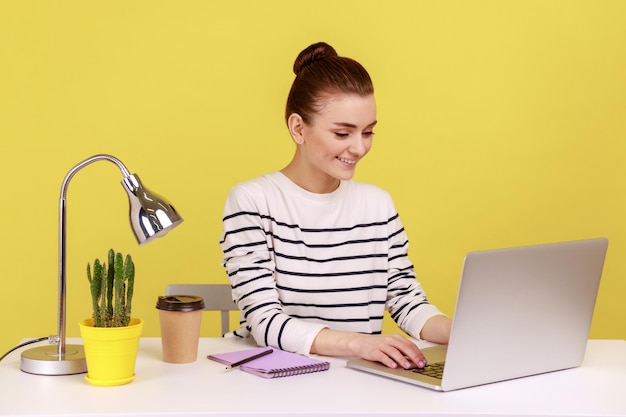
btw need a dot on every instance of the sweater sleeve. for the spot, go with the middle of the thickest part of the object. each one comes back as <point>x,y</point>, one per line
<point>406,300</point>
<point>248,259</point>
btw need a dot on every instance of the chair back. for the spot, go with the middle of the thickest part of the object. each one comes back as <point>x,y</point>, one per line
<point>217,297</point>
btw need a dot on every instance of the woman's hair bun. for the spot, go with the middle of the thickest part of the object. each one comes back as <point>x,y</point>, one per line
<point>311,54</point>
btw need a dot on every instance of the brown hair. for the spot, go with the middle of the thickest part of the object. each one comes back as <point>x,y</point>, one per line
<point>320,71</point>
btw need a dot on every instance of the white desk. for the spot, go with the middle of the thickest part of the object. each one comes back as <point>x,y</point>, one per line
<point>205,388</point>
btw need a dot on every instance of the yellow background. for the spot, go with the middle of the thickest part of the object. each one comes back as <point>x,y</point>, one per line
<point>501,123</point>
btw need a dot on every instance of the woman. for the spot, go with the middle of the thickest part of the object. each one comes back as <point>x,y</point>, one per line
<point>314,258</point>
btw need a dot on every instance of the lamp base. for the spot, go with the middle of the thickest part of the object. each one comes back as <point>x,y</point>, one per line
<point>45,360</point>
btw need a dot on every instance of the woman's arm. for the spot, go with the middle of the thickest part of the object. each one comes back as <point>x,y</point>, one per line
<point>437,329</point>
<point>249,261</point>
<point>389,349</point>
<point>407,303</point>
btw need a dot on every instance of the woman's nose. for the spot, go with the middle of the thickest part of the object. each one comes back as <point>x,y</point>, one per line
<point>357,145</point>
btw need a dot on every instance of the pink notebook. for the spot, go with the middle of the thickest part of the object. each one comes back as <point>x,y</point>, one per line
<point>277,364</point>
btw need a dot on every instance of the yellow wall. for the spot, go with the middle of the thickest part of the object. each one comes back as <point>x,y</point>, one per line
<point>502,123</point>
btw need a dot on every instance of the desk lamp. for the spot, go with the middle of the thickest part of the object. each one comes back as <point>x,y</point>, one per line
<point>151,216</point>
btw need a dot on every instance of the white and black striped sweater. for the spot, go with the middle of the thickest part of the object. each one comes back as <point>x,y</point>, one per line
<point>299,262</point>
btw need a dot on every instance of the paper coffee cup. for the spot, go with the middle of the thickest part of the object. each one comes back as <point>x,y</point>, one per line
<point>180,317</point>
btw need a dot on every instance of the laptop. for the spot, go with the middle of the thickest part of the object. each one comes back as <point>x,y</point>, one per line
<point>520,311</point>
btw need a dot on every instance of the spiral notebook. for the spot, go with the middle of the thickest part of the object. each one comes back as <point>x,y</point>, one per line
<point>277,364</point>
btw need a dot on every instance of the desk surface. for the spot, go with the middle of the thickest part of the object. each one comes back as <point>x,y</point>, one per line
<point>205,388</point>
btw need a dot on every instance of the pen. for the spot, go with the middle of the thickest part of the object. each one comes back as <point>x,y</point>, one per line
<point>241,362</point>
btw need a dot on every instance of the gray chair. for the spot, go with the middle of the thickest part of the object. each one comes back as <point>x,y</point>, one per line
<point>217,297</point>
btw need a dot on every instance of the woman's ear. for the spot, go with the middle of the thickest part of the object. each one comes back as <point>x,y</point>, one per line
<point>296,127</point>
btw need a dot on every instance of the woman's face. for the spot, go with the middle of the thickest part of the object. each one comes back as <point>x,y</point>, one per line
<point>339,136</point>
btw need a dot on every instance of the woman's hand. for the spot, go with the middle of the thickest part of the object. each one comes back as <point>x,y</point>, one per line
<point>392,350</point>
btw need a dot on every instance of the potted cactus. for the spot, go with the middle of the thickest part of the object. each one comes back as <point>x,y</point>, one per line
<point>111,335</point>
<point>112,290</point>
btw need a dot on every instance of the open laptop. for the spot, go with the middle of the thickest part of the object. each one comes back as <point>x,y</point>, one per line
<point>519,312</point>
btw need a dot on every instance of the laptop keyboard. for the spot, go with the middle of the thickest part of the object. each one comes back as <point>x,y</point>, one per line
<point>434,370</point>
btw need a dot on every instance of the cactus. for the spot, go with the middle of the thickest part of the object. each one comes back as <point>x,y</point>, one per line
<point>95,283</point>
<point>109,285</point>
<point>129,277</point>
<point>112,290</point>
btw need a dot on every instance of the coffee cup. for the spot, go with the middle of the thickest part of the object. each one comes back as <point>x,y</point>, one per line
<point>180,317</point>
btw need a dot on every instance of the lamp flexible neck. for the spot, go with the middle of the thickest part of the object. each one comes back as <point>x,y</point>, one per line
<point>89,161</point>
<point>62,232</point>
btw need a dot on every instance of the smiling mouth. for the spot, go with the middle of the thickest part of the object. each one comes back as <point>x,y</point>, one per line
<point>347,161</point>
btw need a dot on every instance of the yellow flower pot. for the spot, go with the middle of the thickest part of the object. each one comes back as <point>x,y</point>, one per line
<point>110,352</point>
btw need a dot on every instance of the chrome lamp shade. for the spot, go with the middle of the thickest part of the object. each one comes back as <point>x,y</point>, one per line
<point>151,216</point>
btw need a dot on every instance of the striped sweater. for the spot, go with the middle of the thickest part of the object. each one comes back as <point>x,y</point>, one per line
<point>299,262</point>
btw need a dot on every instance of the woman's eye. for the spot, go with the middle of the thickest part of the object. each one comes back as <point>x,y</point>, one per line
<point>341,134</point>
<point>368,134</point>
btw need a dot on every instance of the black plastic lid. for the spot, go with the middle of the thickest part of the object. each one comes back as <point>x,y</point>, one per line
<point>180,303</point>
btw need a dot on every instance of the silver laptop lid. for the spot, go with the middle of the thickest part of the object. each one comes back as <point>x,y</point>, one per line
<point>523,311</point>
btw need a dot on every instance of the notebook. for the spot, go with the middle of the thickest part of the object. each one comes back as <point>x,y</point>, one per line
<point>519,312</point>
<point>277,364</point>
